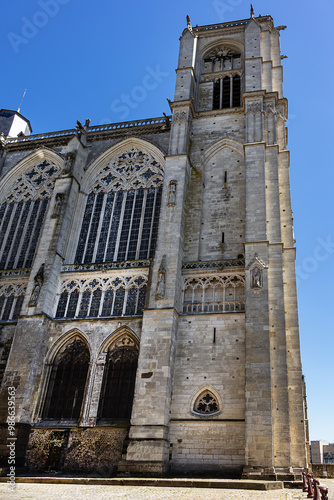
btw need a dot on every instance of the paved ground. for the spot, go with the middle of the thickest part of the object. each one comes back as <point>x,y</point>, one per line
<point>83,492</point>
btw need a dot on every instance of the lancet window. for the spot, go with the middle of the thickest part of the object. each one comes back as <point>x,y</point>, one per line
<point>67,382</point>
<point>22,214</point>
<point>11,300</point>
<point>96,297</point>
<point>122,210</point>
<point>118,382</point>
<point>214,293</point>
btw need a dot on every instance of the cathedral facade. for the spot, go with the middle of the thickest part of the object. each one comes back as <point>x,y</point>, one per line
<point>148,308</point>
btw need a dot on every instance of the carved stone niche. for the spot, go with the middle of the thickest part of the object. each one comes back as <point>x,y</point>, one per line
<point>57,206</point>
<point>68,164</point>
<point>172,194</point>
<point>161,285</point>
<point>38,283</point>
<point>256,268</point>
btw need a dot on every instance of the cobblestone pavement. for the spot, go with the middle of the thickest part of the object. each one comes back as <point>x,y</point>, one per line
<point>101,492</point>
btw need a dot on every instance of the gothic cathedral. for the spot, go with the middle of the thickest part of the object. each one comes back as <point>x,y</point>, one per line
<point>148,308</point>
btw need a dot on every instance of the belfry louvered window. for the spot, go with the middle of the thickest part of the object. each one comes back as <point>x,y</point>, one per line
<point>22,214</point>
<point>67,382</point>
<point>223,67</point>
<point>226,92</point>
<point>122,210</point>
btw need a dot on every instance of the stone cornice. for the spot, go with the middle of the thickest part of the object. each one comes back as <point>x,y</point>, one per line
<point>94,133</point>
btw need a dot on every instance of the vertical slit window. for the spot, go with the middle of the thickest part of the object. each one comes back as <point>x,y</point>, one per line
<point>114,227</point>
<point>28,233</point>
<point>126,225</point>
<point>236,91</point>
<point>84,304</point>
<point>105,227</point>
<point>11,234</point>
<point>18,306</point>
<point>95,305</point>
<point>119,300</point>
<point>8,307</point>
<point>145,238</point>
<point>35,236</point>
<point>107,303</point>
<point>84,229</point>
<point>2,301</point>
<point>141,300</point>
<point>60,313</point>
<point>72,304</point>
<point>131,302</point>
<point>135,225</point>
<point>6,223</point>
<point>226,92</point>
<point>216,94</point>
<point>93,228</point>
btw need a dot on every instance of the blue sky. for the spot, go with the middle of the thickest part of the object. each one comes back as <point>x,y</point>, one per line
<point>80,59</point>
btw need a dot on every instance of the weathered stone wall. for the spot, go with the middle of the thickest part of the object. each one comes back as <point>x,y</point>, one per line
<point>323,470</point>
<point>207,447</point>
<point>91,451</point>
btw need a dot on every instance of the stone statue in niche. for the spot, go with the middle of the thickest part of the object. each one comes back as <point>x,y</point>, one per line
<point>256,278</point>
<point>68,163</point>
<point>57,206</point>
<point>172,193</point>
<point>161,286</point>
<point>39,279</point>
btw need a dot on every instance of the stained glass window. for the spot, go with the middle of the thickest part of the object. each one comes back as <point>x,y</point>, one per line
<point>67,382</point>
<point>118,384</point>
<point>122,210</point>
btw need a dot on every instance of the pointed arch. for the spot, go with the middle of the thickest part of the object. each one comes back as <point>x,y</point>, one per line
<point>221,144</point>
<point>124,187</point>
<point>32,159</point>
<point>112,153</point>
<point>237,47</point>
<point>25,193</point>
<point>116,337</point>
<point>64,339</point>
<point>67,376</point>
<point>206,402</point>
<point>120,351</point>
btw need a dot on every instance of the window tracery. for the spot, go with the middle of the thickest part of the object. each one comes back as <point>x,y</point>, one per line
<point>22,214</point>
<point>102,297</point>
<point>11,300</point>
<point>214,293</point>
<point>126,195</point>
<point>206,404</point>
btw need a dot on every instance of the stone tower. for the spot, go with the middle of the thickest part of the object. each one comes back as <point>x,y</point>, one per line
<point>165,255</point>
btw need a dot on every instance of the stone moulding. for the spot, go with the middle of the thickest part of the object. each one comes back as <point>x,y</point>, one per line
<point>214,264</point>
<point>105,266</point>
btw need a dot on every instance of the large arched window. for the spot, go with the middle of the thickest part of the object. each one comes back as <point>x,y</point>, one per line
<point>67,382</point>
<point>22,214</point>
<point>122,210</point>
<point>118,383</point>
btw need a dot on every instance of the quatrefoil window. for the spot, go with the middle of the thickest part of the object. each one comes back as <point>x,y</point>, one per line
<point>206,404</point>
